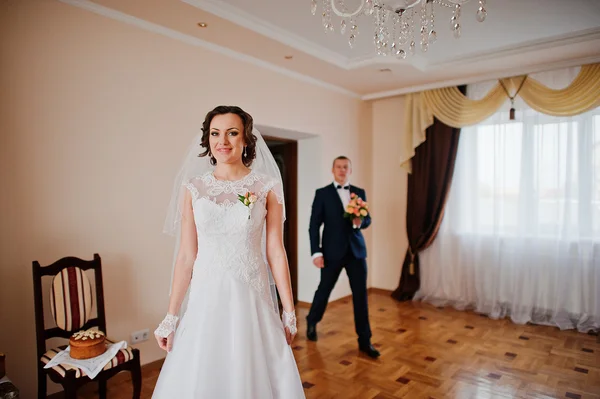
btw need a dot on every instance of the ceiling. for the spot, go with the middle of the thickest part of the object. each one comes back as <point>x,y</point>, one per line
<point>518,36</point>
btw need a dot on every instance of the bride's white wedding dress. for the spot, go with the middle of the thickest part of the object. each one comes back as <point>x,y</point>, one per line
<point>230,342</point>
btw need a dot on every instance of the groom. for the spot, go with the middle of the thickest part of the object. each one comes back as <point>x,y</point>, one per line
<point>343,246</point>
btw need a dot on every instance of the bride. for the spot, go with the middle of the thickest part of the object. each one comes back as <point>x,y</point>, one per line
<point>227,211</point>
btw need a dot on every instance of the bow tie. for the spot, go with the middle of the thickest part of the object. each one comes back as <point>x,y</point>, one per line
<point>345,187</point>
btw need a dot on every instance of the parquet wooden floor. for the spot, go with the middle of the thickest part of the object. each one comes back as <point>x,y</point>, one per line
<point>434,353</point>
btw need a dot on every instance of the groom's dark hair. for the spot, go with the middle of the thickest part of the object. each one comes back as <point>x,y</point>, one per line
<point>341,157</point>
<point>248,123</point>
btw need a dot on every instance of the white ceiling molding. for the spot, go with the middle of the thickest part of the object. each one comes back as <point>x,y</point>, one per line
<point>485,77</point>
<point>421,63</point>
<point>194,41</point>
<point>258,25</point>
<point>521,49</point>
<point>417,61</point>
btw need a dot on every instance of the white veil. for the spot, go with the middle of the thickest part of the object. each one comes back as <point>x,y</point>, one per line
<point>194,166</point>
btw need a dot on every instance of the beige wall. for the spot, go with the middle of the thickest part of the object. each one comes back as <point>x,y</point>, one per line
<point>389,241</point>
<point>95,116</point>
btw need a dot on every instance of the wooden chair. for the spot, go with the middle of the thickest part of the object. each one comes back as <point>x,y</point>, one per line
<point>71,307</point>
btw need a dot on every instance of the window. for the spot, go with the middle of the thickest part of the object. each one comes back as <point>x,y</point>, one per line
<point>535,176</point>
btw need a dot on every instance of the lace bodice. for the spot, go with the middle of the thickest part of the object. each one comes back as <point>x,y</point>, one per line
<point>230,233</point>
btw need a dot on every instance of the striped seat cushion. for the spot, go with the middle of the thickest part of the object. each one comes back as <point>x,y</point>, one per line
<point>71,299</point>
<point>122,356</point>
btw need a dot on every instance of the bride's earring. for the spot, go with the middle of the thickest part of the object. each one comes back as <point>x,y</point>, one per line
<point>245,152</point>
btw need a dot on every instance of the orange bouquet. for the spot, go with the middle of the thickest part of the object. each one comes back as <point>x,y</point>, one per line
<point>357,208</point>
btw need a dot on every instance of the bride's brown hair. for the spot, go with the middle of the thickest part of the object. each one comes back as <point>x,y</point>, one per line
<point>249,138</point>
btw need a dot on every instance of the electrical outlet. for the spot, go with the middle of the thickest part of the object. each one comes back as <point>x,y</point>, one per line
<point>140,336</point>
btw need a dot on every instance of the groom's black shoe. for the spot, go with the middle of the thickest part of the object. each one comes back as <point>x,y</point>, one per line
<point>369,350</point>
<point>311,332</point>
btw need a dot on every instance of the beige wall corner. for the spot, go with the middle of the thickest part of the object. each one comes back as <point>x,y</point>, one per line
<point>389,241</point>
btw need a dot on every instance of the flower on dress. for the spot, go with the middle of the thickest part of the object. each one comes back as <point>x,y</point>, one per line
<point>248,199</point>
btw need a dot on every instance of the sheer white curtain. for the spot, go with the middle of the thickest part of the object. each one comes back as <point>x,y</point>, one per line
<point>520,236</point>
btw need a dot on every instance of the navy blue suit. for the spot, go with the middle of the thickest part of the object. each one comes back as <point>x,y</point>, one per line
<point>342,246</point>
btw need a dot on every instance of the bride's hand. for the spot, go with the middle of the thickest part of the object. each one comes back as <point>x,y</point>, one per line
<point>289,337</point>
<point>165,332</point>
<point>165,344</point>
<point>289,325</point>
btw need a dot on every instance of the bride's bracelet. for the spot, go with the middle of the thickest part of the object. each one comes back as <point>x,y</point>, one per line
<point>167,326</point>
<point>289,321</point>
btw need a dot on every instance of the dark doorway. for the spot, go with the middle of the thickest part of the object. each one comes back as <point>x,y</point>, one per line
<point>285,153</point>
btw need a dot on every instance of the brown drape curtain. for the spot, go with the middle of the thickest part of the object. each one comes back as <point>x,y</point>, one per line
<point>428,187</point>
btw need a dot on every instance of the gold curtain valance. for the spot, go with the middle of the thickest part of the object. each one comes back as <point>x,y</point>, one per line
<point>454,109</point>
<point>582,95</point>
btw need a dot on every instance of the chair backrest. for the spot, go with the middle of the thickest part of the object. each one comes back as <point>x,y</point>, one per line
<point>71,302</point>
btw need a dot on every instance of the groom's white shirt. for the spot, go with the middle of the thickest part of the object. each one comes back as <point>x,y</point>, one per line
<point>343,193</point>
<point>344,196</point>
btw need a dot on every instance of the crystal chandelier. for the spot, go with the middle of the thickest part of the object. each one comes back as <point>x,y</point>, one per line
<point>394,22</point>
